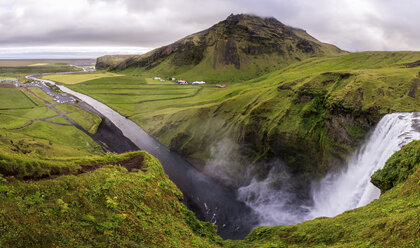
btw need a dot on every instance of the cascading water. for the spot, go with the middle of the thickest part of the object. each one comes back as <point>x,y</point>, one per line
<point>337,192</point>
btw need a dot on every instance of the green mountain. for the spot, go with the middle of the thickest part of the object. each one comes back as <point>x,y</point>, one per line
<point>238,48</point>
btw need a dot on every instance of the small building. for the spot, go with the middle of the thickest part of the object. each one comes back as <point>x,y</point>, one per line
<point>181,82</point>
<point>220,85</point>
<point>156,78</point>
<point>198,82</point>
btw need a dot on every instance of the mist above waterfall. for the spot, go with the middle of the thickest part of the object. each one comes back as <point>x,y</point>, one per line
<point>277,198</point>
<point>227,164</point>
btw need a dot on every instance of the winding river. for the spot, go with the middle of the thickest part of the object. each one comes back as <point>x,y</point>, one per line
<point>262,202</point>
<point>210,201</point>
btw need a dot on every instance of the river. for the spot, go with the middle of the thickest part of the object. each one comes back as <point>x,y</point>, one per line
<point>210,201</point>
<point>263,202</point>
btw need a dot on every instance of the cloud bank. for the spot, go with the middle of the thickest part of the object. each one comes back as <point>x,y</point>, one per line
<point>138,26</point>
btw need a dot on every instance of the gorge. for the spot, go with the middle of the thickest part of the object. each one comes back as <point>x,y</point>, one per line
<point>250,133</point>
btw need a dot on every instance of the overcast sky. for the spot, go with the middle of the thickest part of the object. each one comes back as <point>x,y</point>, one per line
<point>89,28</point>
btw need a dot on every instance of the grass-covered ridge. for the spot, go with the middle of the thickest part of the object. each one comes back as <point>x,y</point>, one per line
<point>310,114</point>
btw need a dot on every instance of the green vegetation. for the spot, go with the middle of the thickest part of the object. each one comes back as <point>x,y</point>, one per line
<point>239,48</point>
<point>399,167</point>
<point>59,189</point>
<point>118,205</point>
<point>311,113</point>
<point>7,78</point>
<point>40,93</point>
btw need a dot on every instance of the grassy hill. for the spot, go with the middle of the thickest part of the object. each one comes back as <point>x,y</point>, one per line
<point>238,48</point>
<point>310,114</point>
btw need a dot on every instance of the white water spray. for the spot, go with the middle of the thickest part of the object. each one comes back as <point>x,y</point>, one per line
<point>274,199</point>
<point>337,192</point>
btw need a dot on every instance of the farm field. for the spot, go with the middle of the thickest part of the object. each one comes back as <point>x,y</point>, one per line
<point>78,78</point>
<point>29,127</point>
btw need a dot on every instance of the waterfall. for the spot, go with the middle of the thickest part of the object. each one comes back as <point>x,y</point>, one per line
<point>351,188</point>
<point>336,192</point>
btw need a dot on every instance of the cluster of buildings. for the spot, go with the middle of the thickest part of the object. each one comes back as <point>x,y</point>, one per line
<point>186,82</point>
<point>179,81</point>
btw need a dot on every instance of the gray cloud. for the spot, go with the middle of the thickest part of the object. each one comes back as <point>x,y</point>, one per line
<point>354,25</point>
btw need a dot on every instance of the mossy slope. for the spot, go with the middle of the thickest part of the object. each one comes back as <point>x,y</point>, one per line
<point>108,207</point>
